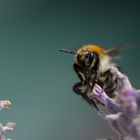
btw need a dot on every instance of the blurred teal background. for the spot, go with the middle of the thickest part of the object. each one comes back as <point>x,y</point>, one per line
<point>38,79</point>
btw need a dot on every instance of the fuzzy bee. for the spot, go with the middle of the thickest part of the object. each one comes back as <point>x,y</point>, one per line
<point>92,65</point>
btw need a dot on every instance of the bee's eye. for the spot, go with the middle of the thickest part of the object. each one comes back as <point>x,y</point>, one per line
<point>90,56</point>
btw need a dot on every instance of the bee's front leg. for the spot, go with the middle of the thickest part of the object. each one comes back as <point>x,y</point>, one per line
<point>84,84</point>
<point>78,71</point>
<point>79,88</point>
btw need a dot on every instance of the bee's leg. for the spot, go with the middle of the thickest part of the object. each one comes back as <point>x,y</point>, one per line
<point>89,101</point>
<point>77,88</point>
<point>77,69</point>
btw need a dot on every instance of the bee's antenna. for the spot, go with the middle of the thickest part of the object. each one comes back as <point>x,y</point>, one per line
<point>67,51</point>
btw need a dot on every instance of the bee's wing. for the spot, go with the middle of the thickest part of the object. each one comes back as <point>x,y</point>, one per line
<point>116,50</point>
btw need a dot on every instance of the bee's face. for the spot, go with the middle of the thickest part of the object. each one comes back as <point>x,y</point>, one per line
<point>85,59</point>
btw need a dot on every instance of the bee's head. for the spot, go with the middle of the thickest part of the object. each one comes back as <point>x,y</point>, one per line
<point>86,59</point>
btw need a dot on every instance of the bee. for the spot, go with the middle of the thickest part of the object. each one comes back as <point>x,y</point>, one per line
<point>92,65</point>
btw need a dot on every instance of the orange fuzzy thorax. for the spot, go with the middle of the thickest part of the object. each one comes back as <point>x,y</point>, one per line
<point>94,48</point>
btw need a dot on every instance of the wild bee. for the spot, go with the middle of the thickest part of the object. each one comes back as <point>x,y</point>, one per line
<point>92,64</point>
